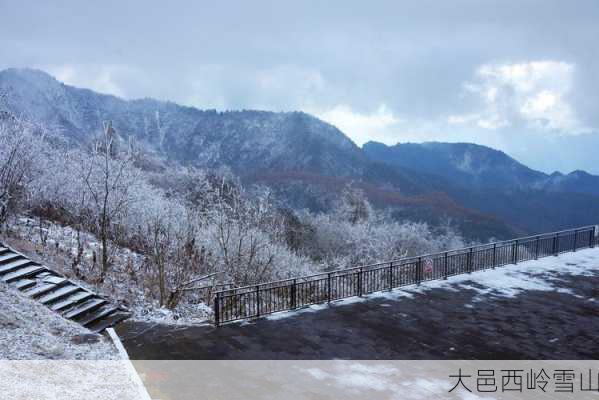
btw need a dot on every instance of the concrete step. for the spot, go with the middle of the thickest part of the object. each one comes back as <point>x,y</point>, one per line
<point>4,258</point>
<point>23,273</point>
<point>109,321</point>
<point>85,308</point>
<point>97,315</point>
<point>25,283</point>
<point>72,301</point>
<point>14,265</point>
<point>59,294</point>
<point>44,288</point>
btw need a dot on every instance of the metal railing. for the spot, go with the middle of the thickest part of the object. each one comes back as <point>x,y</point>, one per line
<point>289,294</point>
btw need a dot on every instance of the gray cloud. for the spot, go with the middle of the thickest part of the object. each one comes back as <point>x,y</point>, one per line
<point>384,70</point>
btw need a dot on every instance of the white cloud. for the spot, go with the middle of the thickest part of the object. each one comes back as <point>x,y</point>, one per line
<point>460,119</point>
<point>486,120</point>
<point>275,88</point>
<point>100,78</point>
<point>533,94</point>
<point>362,127</point>
<point>282,78</point>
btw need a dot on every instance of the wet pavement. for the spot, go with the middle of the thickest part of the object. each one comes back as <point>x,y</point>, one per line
<point>452,322</point>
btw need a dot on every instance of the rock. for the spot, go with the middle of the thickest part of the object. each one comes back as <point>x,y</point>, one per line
<point>85,338</point>
<point>56,330</point>
<point>8,322</point>
<point>55,351</point>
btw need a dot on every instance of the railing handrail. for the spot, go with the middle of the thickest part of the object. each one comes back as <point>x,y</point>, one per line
<point>401,261</point>
<point>289,294</point>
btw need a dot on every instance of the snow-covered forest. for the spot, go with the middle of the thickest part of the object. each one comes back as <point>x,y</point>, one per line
<point>164,237</point>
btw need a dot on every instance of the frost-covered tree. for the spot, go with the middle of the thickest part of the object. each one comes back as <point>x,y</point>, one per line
<point>18,147</point>
<point>175,261</point>
<point>353,206</point>
<point>337,242</point>
<point>108,177</point>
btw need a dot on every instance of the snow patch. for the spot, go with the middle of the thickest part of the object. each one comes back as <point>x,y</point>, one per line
<point>508,281</point>
<point>31,331</point>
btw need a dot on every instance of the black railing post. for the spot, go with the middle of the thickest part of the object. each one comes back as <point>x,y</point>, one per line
<point>592,238</point>
<point>329,287</point>
<point>419,271</point>
<point>538,243</point>
<point>445,266</point>
<point>556,244</point>
<point>360,282</point>
<point>470,260</point>
<point>257,301</point>
<point>515,251</point>
<point>391,276</point>
<point>575,239</point>
<point>217,309</point>
<point>494,255</point>
<point>293,294</point>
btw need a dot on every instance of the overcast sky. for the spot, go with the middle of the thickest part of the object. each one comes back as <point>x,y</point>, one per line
<point>521,76</point>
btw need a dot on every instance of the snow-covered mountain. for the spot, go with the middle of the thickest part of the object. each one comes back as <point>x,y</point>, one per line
<point>204,138</point>
<point>489,180</point>
<point>466,164</point>
<point>479,167</point>
<point>252,143</point>
<point>576,181</point>
<point>305,160</point>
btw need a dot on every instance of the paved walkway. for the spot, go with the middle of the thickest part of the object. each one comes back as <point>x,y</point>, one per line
<point>545,309</point>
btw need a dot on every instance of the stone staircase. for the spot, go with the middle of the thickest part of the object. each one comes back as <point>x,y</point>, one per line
<point>61,295</point>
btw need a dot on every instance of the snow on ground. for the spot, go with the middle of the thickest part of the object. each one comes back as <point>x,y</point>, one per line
<point>31,331</point>
<point>507,281</point>
<point>123,284</point>
<point>69,380</point>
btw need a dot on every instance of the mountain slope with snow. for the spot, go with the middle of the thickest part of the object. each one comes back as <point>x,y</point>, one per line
<point>307,161</point>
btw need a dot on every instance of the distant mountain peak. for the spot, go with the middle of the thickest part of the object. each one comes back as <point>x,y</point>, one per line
<point>477,166</point>
<point>28,74</point>
<point>579,173</point>
<point>464,163</point>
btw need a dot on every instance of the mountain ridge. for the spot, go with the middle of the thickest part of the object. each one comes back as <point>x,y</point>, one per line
<point>300,157</point>
<point>478,166</point>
